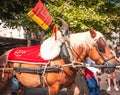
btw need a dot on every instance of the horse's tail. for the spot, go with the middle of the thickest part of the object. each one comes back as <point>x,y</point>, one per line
<point>3,58</point>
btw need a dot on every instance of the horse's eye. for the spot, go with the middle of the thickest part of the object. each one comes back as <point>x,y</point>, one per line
<point>102,50</point>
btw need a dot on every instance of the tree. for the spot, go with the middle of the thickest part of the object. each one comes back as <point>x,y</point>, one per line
<point>102,15</point>
<point>14,13</point>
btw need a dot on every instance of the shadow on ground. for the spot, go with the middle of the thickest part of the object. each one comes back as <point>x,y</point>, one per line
<point>103,92</point>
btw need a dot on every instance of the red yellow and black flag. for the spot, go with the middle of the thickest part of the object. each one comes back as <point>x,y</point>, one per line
<point>40,15</point>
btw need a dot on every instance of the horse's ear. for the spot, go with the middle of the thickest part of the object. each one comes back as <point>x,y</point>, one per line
<point>92,32</point>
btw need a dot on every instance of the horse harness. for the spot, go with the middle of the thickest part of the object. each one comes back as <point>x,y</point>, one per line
<point>5,69</point>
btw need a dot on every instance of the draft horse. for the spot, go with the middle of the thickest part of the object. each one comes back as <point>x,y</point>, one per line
<point>90,43</point>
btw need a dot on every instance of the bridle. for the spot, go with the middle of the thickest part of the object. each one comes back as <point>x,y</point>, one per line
<point>105,61</point>
<point>101,55</point>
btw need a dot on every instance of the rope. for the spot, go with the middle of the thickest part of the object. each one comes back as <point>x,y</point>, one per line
<point>3,70</point>
<point>43,75</point>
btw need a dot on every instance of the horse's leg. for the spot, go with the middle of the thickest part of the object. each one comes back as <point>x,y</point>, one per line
<point>73,89</point>
<point>53,90</point>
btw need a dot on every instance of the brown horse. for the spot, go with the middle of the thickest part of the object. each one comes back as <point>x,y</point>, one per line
<point>91,43</point>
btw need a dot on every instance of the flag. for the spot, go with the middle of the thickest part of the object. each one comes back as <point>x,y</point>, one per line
<point>40,15</point>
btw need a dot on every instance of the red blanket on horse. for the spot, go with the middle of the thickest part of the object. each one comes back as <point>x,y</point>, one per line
<point>27,55</point>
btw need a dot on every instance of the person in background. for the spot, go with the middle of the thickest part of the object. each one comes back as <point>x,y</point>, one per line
<point>118,51</point>
<point>92,78</point>
<point>111,72</point>
<point>14,85</point>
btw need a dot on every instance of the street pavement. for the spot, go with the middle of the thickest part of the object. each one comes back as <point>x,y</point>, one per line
<point>103,84</point>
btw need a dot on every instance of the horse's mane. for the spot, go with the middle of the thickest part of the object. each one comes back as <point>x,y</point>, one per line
<point>84,39</point>
<point>51,48</point>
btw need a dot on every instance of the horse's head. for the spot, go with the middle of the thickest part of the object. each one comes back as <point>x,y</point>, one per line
<point>100,50</point>
<point>93,44</point>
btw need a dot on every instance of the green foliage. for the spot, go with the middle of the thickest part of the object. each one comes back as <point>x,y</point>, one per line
<point>14,13</point>
<point>102,15</point>
<point>80,14</point>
